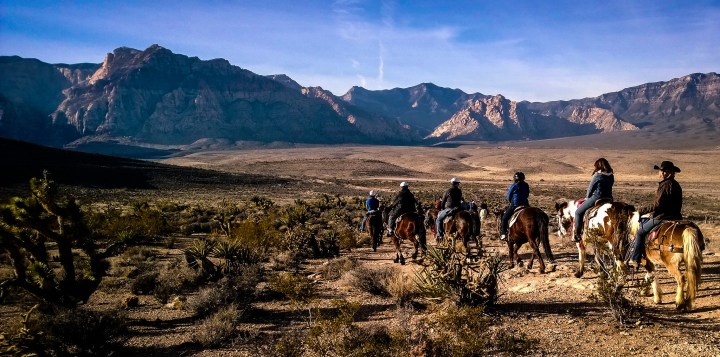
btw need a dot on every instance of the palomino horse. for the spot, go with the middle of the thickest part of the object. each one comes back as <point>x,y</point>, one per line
<point>610,223</point>
<point>672,243</point>
<point>374,227</point>
<point>527,225</point>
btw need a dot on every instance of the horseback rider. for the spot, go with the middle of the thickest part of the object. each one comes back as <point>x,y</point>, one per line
<point>667,207</point>
<point>517,195</point>
<point>451,200</point>
<point>371,204</point>
<point>600,187</point>
<point>403,203</point>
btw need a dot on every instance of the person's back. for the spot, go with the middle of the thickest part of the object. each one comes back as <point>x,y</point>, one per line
<point>517,195</point>
<point>451,200</point>
<point>452,197</point>
<point>600,186</point>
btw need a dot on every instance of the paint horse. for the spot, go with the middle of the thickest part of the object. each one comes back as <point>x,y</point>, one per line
<point>606,222</point>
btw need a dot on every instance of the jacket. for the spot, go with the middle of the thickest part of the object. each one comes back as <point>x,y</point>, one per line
<point>372,204</point>
<point>668,201</point>
<point>404,201</point>
<point>601,185</point>
<point>518,193</point>
<point>452,197</point>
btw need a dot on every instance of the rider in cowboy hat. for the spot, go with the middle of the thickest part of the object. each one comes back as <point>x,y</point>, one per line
<point>451,200</point>
<point>667,206</point>
<point>371,204</point>
<point>404,202</point>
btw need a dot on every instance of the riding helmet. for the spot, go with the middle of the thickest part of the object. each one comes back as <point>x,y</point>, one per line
<point>404,184</point>
<point>455,180</point>
<point>372,193</point>
<point>519,176</point>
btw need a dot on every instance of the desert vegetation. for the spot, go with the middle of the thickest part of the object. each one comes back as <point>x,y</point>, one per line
<point>271,271</point>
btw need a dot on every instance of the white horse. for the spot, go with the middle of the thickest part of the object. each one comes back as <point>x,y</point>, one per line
<point>611,220</point>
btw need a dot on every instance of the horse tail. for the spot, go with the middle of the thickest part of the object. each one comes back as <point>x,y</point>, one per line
<point>693,260</point>
<point>542,226</point>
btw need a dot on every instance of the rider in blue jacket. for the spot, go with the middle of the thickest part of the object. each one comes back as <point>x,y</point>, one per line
<point>517,195</point>
<point>600,187</point>
<point>371,204</point>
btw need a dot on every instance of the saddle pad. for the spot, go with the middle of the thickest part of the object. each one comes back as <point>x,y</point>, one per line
<point>515,215</point>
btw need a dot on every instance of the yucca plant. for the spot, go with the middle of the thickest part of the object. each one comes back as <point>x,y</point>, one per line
<point>233,254</point>
<point>198,257</point>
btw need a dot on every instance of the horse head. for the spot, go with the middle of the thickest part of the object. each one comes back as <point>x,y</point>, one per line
<point>565,213</point>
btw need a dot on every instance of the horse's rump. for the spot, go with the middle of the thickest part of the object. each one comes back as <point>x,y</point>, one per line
<point>667,236</point>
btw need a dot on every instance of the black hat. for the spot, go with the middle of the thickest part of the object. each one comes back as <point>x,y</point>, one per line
<point>667,166</point>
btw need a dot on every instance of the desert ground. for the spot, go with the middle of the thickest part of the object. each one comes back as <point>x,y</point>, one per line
<point>553,308</point>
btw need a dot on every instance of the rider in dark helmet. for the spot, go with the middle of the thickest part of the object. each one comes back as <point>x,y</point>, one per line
<point>404,202</point>
<point>517,195</point>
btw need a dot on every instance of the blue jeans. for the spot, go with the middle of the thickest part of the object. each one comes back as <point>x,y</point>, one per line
<point>580,214</point>
<point>646,225</point>
<point>438,223</point>
<point>506,219</point>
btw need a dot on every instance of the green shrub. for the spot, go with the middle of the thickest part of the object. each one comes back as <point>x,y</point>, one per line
<point>145,283</point>
<point>296,288</point>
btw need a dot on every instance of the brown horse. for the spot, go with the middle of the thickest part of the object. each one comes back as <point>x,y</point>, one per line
<point>528,225</point>
<point>464,225</point>
<point>374,227</point>
<point>409,226</point>
<point>673,243</point>
<point>607,223</point>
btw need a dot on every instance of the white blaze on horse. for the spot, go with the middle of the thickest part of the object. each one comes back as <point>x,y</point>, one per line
<point>673,243</point>
<point>611,220</point>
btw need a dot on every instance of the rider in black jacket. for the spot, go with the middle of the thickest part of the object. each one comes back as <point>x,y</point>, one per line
<point>404,202</point>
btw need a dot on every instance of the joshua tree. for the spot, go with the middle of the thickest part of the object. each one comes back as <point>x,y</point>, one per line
<point>50,248</point>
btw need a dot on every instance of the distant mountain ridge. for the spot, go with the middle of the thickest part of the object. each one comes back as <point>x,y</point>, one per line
<point>156,96</point>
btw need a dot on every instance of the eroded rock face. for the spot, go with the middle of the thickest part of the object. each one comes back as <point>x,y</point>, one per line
<point>157,96</point>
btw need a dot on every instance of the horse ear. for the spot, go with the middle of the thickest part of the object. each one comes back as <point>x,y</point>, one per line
<point>557,206</point>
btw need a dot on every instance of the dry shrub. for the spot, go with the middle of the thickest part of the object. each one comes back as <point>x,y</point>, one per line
<point>237,288</point>
<point>73,332</point>
<point>173,280</point>
<point>401,288</point>
<point>137,256</point>
<point>373,281</point>
<point>335,268</point>
<point>144,283</point>
<point>296,288</point>
<point>287,260</point>
<point>218,328</point>
<point>290,345</point>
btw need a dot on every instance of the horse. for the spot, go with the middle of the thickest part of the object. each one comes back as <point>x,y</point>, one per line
<point>463,225</point>
<point>374,227</point>
<point>527,225</point>
<point>409,226</point>
<point>673,243</point>
<point>609,223</point>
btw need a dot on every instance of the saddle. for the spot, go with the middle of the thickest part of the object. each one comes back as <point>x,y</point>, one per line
<point>592,211</point>
<point>515,215</point>
<point>451,215</point>
<point>657,235</point>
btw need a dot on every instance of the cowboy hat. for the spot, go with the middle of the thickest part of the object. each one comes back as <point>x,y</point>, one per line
<point>667,166</point>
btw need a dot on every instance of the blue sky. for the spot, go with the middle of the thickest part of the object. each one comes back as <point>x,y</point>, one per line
<point>526,50</point>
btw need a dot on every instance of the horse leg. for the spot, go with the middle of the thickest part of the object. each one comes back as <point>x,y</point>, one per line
<point>673,267</point>
<point>510,254</point>
<point>536,250</point>
<point>656,289</point>
<point>398,253</point>
<point>581,258</point>
<point>415,253</point>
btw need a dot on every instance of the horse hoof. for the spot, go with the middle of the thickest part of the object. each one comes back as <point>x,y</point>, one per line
<point>579,274</point>
<point>402,262</point>
<point>396,260</point>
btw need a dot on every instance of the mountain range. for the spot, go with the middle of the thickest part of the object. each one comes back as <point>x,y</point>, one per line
<point>155,96</point>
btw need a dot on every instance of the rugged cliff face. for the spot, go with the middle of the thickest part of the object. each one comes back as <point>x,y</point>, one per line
<point>161,97</point>
<point>156,96</point>
<point>497,118</point>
